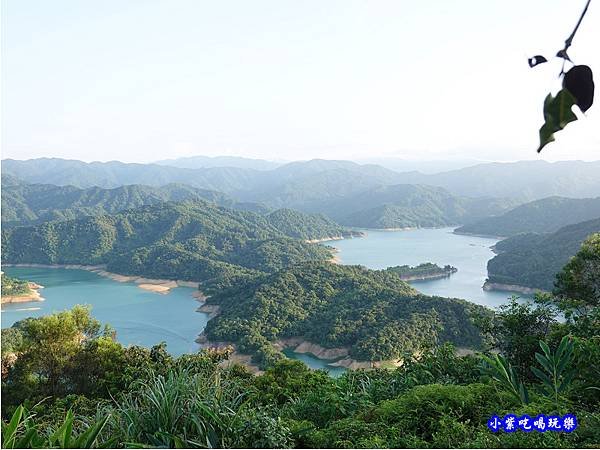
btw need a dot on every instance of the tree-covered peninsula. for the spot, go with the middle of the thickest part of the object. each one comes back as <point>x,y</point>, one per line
<point>532,260</point>
<point>373,314</point>
<point>193,240</point>
<point>14,286</point>
<point>16,290</point>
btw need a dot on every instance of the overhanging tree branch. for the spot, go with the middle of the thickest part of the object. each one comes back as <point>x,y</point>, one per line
<point>563,53</point>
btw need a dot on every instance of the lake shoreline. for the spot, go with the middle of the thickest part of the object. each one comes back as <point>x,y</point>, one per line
<point>333,357</point>
<point>351,235</point>
<point>33,296</point>
<point>236,357</point>
<point>159,286</point>
<point>487,236</point>
<point>501,287</point>
<point>433,276</point>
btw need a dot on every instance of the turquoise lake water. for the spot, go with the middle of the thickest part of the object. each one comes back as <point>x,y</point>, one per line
<point>147,318</point>
<point>381,249</point>
<point>469,254</point>
<point>315,363</point>
<point>138,316</point>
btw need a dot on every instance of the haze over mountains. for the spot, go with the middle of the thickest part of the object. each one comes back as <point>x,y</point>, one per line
<point>540,216</point>
<point>202,162</point>
<point>525,180</point>
<point>360,195</point>
<point>29,204</point>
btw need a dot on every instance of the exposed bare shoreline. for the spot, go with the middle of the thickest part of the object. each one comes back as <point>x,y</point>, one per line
<point>338,357</point>
<point>159,286</point>
<point>489,286</point>
<point>351,235</point>
<point>33,296</point>
<point>488,236</point>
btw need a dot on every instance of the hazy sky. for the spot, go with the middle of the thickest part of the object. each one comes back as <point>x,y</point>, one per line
<point>285,79</point>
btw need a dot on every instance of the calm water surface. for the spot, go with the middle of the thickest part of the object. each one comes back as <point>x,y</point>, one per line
<point>139,317</point>
<point>146,318</point>
<point>315,363</point>
<point>469,254</point>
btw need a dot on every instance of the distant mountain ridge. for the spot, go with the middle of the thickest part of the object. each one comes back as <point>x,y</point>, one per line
<point>355,195</point>
<point>524,180</point>
<point>410,206</point>
<point>545,215</point>
<point>62,172</point>
<point>28,204</point>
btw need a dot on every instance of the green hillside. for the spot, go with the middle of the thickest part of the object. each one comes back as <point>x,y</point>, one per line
<point>540,216</point>
<point>534,259</point>
<point>193,240</point>
<point>407,205</point>
<point>374,314</point>
<point>29,204</point>
<point>306,226</point>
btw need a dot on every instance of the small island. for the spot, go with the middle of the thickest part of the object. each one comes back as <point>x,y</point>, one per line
<point>16,291</point>
<point>425,271</point>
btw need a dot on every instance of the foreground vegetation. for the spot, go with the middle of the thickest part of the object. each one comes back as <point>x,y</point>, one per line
<point>66,383</point>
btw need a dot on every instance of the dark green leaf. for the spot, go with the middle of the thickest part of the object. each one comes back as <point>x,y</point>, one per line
<point>557,114</point>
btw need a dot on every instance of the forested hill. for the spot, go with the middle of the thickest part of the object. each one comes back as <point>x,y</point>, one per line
<point>540,216</point>
<point>406,205</point>
<point>372,313</point>
<point>29,204</point>
<point>534,259</point>
<point>307,226</point>
<point>193,240</point>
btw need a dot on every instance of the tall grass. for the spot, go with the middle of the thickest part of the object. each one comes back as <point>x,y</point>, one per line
<point>180,409</point>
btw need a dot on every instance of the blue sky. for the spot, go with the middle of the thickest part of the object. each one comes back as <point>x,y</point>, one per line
<point>146,80</point>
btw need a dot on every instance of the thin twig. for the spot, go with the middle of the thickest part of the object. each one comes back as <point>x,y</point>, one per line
<point>570,38</point>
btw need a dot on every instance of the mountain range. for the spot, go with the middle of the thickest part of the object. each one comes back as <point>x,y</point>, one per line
<point>545,215</point>
<point>306,181</point>
<point>28,204</point>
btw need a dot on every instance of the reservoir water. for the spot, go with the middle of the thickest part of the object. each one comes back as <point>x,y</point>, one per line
<point>382,249</point>
<point>138,316</point>
<point>469,254</point>
<point>147,318</point>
